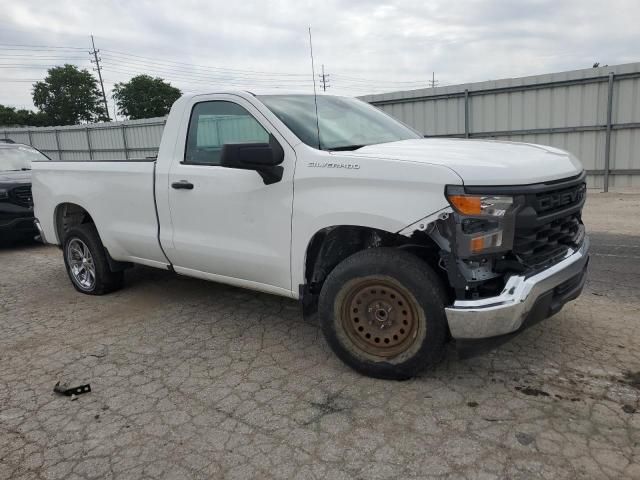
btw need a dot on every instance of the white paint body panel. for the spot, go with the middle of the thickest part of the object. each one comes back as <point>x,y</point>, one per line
<point>117,195</point>
<point>231,224</point>
<point>380,194</point>
<point>234,229</point>
<point>483,162</point>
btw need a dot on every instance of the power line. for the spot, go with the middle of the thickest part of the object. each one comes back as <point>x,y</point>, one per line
<point>204,79</point>
<point>203,84</point>
<point>222,75</point>
<point>198,78</point>
<point>41,57</point>
<point>133,64</point>
<point>27,65</point>
<point>181,68</point>
<point>248,73</point>
<point>182,72</point>
<point>160,61</point>
<point>33,47</point>
<point>19,80</point>
<point>201,78</point>
<point>203,72</point>
<point>113,61</point>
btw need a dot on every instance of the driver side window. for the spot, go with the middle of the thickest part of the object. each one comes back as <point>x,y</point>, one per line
<point>216,123</point>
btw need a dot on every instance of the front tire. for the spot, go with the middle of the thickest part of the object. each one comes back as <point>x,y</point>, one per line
<point>86,261</point>
<point>382,313</point>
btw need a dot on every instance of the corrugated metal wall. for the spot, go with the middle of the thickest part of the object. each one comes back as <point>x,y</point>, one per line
<point>576,111</point>
<point>99,141</point>
<point>124,140</point>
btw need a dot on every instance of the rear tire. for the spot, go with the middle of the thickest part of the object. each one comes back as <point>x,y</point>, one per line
<point>382,313</point>
<point>86,261</point>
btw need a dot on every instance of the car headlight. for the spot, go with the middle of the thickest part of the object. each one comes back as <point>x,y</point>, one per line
<point>4,194</point>
<point>485,223</point>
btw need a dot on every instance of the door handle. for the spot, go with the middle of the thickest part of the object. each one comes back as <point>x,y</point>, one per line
<point>182,185</point>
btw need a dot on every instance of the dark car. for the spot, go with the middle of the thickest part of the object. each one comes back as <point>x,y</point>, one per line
<point>16,202</point>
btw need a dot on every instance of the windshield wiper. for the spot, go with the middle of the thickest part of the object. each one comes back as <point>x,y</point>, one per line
<point>345,148</point>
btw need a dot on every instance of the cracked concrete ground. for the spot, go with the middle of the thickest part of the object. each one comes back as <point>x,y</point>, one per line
<point>198,380</point>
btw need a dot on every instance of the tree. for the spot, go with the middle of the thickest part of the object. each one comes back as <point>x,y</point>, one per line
<point>69,96</point>
<point>10,117</point>
<point>145,97</point>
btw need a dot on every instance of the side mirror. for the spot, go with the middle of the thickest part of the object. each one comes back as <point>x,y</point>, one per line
<point>264,158</point>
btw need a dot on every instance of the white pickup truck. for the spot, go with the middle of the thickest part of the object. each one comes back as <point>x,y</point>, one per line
<point>399,242</point>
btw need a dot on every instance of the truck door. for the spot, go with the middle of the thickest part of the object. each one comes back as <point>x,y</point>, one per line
<point>227,224</point>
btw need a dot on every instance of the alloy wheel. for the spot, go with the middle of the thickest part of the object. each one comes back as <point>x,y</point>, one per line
<point>81,264</point>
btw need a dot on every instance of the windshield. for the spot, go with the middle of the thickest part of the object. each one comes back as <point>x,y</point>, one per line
<point>344,123</point>
<point>18,158</point>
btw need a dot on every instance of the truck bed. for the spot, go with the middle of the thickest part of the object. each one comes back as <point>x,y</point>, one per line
<point>102,188</point>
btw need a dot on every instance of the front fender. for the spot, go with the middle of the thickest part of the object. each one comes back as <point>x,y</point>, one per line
<point>382,194</point>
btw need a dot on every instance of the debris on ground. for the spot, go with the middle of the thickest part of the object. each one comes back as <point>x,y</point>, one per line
<point>67,391</point>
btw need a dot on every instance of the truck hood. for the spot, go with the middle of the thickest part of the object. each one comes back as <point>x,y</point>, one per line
<point>483,162</point>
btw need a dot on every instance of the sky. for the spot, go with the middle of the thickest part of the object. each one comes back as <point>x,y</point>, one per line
<point>365,46</point>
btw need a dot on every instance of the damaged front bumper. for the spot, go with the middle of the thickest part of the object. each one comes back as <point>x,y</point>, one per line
<point>524,299</point>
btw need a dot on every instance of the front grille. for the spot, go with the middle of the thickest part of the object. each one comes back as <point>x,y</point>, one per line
<point>549,223</point>
<point>547,243</point>
<point>22,196</point>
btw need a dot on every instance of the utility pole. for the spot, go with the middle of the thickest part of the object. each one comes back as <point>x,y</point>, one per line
<point>433,82</point>
<point>98,68</point>
<point>324,79</point>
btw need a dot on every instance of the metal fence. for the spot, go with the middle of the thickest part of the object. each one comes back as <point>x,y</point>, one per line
<point>124,140</point>
<point>99,141</point>
<point>593,113</point>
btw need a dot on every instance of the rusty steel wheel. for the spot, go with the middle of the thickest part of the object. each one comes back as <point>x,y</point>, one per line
<point>380,318</point>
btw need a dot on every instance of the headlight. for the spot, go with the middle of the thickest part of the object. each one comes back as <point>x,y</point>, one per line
<point>480,205</point>
<point>484,222</point>
<point>4,193</point>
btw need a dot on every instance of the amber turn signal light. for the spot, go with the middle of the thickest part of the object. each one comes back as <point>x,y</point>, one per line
<point>467,204</point>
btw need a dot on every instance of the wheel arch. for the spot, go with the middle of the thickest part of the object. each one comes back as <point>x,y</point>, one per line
<point>67,215</point>
<point>331,245</point>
